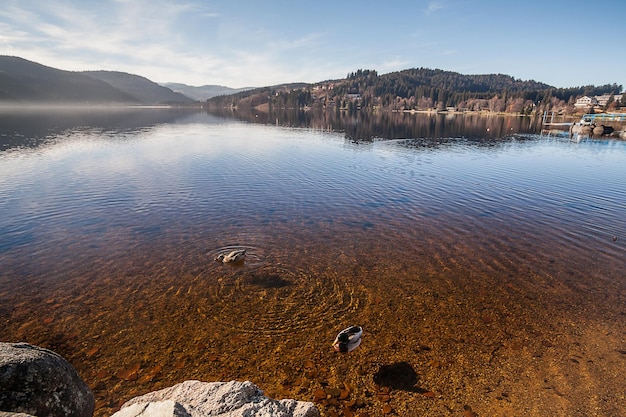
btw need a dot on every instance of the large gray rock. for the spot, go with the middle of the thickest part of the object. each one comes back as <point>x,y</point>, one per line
<point>40,382</point>
<point>214,399</point>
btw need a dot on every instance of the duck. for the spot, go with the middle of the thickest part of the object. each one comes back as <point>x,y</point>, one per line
<point>348,339</point>
<point>232,257</point>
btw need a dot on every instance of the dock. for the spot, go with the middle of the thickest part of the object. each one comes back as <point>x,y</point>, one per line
<point>552,123</point>
<point>605,117</point>
<point>591,124</point>
<point>592,118</point>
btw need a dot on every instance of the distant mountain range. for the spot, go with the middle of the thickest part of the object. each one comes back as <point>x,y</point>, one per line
<point>204,92</point>
<point>144,90</point>
<point>23,81</point>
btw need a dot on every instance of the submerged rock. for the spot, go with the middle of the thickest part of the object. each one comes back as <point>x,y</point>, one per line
<point>215,399</point>
<point>40,382</point>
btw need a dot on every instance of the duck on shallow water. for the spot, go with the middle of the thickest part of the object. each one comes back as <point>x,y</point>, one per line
<point>234,256</point>
<point>348,339</point>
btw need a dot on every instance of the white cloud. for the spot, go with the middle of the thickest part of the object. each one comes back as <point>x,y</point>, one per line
<point>433,6</point>
<point>164,41</point>
<point>307,41</point>
<point>200,42</point>
<point>392,65</point>
<point>142,37</point>
<point>126,36</point>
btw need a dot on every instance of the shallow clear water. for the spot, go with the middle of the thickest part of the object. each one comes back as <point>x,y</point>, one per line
<point>466,258</point>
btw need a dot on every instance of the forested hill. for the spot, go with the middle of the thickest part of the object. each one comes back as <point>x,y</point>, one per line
<point>26,82</point>
<point>403,83</point>
<point>416,89</point>
<point>143,89</point>
<point>30,82</point>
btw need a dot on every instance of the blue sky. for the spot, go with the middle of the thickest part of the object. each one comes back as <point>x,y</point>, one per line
<point>241,43</point>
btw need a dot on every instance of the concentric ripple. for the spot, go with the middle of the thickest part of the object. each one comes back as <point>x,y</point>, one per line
<point>278,300</point>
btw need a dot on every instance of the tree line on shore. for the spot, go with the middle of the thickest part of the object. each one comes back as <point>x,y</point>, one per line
<point>418,89</point>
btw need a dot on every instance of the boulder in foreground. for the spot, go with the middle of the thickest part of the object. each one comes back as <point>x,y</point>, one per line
<point>40,382</point>
<point>215,399</point>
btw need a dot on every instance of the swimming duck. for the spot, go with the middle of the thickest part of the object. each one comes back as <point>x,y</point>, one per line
<point>348,339</point>
<point>234,256</point>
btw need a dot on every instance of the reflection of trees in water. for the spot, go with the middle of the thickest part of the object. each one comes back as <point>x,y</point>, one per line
<point>370,126</point>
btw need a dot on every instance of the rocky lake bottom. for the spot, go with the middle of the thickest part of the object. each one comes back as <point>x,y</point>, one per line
<point>447,331</point>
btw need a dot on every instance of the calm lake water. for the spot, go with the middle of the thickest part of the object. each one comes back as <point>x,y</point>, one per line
<point>484,261</point>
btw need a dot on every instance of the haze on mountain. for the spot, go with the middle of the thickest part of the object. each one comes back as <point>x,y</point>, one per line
<point>27,82</point>
<point>146,91</point>
<point>205,92</point>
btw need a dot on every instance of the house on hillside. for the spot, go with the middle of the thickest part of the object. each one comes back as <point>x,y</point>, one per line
<point>585,102</point>
<point>604,98</point>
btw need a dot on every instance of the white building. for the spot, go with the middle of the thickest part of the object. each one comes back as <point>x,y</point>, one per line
<point>604,99</point>
<point>586,101</point>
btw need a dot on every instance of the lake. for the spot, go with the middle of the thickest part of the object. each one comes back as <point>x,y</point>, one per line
<point>485,261</point>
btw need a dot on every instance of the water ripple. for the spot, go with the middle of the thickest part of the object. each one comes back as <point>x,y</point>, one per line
<point>285,300</point>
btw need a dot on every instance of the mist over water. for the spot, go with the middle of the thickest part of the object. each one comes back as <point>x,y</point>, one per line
<point>467,247</point>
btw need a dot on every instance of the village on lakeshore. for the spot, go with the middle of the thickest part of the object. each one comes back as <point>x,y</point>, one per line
<point>599,102</point>
<point>427,90</point>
